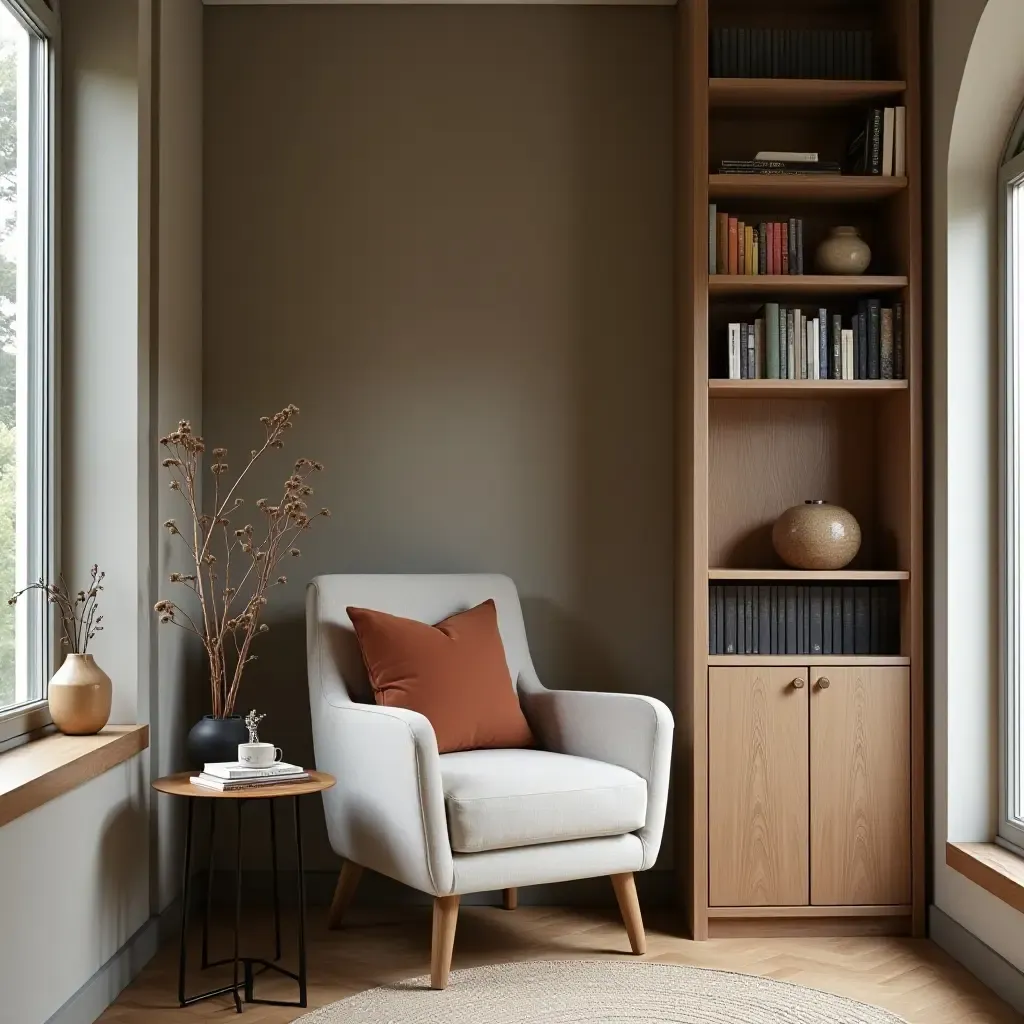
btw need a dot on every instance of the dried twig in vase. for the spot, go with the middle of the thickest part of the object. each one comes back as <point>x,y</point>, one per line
<point>227,634</point>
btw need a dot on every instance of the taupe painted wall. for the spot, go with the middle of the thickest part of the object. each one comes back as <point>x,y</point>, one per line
<point>446,234</point>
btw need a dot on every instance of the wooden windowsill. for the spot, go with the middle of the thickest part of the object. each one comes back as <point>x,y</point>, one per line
<point>40,771</point>
<point>997,870</point>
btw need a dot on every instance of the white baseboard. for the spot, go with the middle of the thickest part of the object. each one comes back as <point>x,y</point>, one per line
<point>89,1002</point>
<point>982,961</point>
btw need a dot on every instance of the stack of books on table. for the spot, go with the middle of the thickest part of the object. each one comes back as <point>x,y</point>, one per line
<point>228,776</point>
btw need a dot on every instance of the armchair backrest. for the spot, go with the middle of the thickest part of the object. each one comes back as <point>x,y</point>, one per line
<point>333,656</point>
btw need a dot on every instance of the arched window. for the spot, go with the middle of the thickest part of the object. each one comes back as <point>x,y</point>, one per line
<point>1011,431</point>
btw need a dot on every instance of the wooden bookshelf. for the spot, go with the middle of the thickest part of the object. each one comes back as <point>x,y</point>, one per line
<point>751,448</point>
<point>804,388</point>
<point>803,284</point>
<point>812,188</point>
<point>798,92</point>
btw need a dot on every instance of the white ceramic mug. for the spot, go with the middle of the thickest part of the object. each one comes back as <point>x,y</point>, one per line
<point>259,755</point>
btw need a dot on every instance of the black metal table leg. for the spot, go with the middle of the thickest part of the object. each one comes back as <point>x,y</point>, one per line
<point>209,885</point>
<point>186,871</point>
<point>302,902</point>
<point>277,896</point>
<point>238,903</point>
<point>241,987</point>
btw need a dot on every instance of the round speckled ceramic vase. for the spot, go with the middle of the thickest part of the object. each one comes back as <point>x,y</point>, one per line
<point>843,252</point>
<point>816,535</point>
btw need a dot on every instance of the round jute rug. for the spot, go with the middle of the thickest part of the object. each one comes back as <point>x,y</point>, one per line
<point>597,992</point>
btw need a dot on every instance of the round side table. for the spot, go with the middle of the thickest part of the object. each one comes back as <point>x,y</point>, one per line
<point>180,785</point>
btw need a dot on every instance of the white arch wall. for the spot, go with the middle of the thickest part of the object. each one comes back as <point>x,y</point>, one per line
<point>977,85</point>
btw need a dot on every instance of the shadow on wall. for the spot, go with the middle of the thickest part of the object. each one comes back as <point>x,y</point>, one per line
<point>125,825</point>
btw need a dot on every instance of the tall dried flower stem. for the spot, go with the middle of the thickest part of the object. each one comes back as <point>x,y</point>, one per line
<point>227,636</point>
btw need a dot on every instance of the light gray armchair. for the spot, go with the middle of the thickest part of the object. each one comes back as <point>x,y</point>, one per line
<point>589,801</point>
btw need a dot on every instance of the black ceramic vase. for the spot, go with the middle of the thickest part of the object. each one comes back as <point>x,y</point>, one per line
<point>215,739</point>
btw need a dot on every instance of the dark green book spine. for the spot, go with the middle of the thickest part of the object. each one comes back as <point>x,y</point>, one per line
<point>899,369</point>
<point>861,620</point>
<point>764,620</point>
<point>836,366</point>
<point>771,340</point>
<point>774,620</point>
<point>730,620</point>
<point>837,620</point>
<point>875,643</point>
<point>816,612</point>
<point>874,339</point>
<point>826,620</point>
<point>791,617</point>
<point>783,344</point>
<point>849,647</point>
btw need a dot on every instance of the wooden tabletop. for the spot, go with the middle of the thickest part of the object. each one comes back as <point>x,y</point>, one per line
<point>180,785</point>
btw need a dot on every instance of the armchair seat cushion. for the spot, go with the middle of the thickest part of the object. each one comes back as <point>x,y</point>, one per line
<point>497,799</point>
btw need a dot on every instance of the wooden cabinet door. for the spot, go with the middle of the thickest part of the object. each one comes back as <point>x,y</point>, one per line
<point>757,794</point>
<point>860,786</point>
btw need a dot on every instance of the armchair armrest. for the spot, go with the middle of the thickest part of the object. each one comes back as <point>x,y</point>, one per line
<point>630,730</point>
<point>387,810</point>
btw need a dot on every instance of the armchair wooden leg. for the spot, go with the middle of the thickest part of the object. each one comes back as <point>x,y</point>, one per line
<point>446,916</point>
<point>510,898</point>
<point>343,892</point>
<point>629,908</point>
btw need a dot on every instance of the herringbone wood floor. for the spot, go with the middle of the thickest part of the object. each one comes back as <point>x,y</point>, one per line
<point>912,978</point>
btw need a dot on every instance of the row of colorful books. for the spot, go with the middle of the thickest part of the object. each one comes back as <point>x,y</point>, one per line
<point>768,247</point>
<point>786,343</point>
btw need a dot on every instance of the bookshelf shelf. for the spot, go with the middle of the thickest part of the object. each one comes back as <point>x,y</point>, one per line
<point>800,660</point>
<point>810,575</point>
<point>803,388</point>
<point>801,284</point>
<point>824,188</point>
<point>797,92</point>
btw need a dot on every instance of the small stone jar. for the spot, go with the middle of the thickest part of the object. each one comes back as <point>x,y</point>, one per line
<point>843,252</point>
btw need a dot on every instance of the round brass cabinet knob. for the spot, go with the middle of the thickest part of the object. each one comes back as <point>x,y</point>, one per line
<point>824,683</point>
<point>798,683</point>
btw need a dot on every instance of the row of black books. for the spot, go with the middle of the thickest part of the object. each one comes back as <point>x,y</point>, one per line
<point>818,619</point>
<point>790,53</point>
<point>786,343</point>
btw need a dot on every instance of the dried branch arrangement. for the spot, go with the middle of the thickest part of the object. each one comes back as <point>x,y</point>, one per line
<point>229,607</point>
<point>78,612</point>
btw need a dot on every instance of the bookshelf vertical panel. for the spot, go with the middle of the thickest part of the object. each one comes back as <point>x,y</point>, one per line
<point>909,33</point>
<point>692,463</point>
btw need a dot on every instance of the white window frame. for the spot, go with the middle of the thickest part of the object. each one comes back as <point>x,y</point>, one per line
<point>41,379</point>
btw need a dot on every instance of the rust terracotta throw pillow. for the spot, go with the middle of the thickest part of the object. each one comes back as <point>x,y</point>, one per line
<point>455,673</point>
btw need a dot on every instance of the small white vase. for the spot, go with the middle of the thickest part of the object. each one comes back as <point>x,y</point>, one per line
<point>843,252</point>
<point>79,696</point>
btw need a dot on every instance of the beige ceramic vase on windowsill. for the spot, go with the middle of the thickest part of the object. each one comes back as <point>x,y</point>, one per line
<point>79,696</point>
